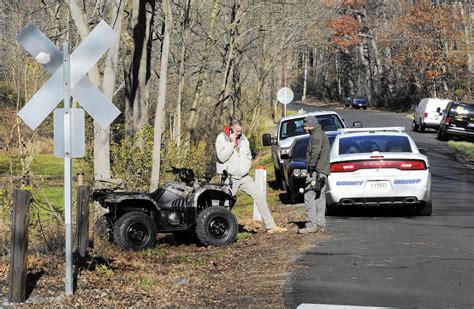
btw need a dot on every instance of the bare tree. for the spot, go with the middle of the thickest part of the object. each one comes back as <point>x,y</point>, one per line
<point>160,106</point>
<point>137,65</point>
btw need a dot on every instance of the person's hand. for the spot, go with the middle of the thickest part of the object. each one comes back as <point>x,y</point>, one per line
<point>232,137</point>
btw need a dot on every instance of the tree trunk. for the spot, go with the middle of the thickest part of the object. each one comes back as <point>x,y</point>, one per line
<point>305,76</point>
<point>101,136</point>
<point>160,108</point>
<point>197,98</point>
<point>185,29</point>
<point>378,71</point>
<point>366,81</point>
<point>338,75</point>
<point>137,68</point>
<point>229,59</point>
<point>101,140</point>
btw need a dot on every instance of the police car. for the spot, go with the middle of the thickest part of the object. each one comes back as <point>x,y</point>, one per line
<point>378,167</point>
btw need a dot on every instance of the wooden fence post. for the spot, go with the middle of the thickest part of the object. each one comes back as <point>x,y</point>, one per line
<point>82,220</point>
<point>19,246</point>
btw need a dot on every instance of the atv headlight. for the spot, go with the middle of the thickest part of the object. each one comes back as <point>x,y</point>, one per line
<point>304,173</point>
<point>297,172</point>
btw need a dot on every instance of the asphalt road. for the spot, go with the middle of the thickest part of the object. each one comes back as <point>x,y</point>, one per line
<point>391,258</point>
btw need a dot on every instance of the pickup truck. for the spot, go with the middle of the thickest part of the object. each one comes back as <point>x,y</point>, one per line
<point>288,128</point>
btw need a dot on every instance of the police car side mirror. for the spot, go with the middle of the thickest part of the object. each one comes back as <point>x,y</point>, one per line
<point>423,151</point>
<point>357,124</point>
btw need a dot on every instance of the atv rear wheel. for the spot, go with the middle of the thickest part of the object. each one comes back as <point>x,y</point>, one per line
<point>216,226</point>
<point>135,231</point>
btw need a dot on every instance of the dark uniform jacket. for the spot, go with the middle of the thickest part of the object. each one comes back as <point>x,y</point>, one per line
<point>317,155</point>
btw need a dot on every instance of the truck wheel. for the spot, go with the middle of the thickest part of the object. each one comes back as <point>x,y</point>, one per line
<point>135,231</point>
<point>425,209</point>
<point>104,228</point>
<point>284,185</point>
<point>216,226</point>
<point>291,197</point>
<point>414,126</point>
<point>278,178</point>
<point>422,127</point>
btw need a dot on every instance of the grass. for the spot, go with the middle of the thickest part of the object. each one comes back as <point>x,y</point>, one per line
<point>42,165</point>
<point>52,192</point>
<point>465,147</point>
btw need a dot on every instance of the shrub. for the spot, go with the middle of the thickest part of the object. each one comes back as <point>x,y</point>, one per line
<point>131,159</point>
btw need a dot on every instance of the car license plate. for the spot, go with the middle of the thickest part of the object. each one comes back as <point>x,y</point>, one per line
<point>378,185</point>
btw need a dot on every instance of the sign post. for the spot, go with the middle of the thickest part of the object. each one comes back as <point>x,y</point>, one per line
<point>285,96</point>
<point>67,166</point>
<point>68,77</point>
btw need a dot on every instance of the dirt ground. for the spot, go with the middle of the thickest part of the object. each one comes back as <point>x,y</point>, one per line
<point>249,273</point>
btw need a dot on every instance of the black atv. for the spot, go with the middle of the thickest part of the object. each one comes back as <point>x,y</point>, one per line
<point>186,208</point>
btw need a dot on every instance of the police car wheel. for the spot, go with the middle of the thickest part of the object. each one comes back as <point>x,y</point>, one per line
<point>291,196</point>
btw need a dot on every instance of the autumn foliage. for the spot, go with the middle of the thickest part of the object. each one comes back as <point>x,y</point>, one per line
<point>345,31</point>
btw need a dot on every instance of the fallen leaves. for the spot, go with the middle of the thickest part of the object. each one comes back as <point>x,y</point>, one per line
<point>252,270</point>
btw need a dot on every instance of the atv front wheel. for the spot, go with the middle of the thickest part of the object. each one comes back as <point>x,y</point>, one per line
<point>135,231</point>
<point>216,226</point>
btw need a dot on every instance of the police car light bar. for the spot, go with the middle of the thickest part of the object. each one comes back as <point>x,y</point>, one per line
<point>370,130</point>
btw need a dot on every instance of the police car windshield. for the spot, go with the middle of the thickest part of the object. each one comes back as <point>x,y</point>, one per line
<point>294,127</point>
<point>370,143</point>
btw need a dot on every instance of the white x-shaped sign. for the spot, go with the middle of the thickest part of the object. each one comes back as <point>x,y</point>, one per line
<point>83,59</point>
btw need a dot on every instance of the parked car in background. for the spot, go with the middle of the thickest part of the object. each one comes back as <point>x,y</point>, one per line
<point>288,128</point>
<point>358,101</point>
<point>295,167</point>
<point>378,167</point>
<point>457,120</point>
<point>428,114</point>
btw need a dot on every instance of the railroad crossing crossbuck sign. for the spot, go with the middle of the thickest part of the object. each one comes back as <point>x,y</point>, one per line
<point>68,76</point>
<point>83,59</point>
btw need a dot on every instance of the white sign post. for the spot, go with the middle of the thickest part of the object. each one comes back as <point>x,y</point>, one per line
<point>68,76</point>
<point>285,96</point>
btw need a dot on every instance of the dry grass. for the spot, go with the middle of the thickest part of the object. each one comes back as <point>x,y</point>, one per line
<point>251,271</point>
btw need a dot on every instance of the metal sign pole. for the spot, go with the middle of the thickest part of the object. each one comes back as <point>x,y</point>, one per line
<point>69,133</point>
<point>67,166</point>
